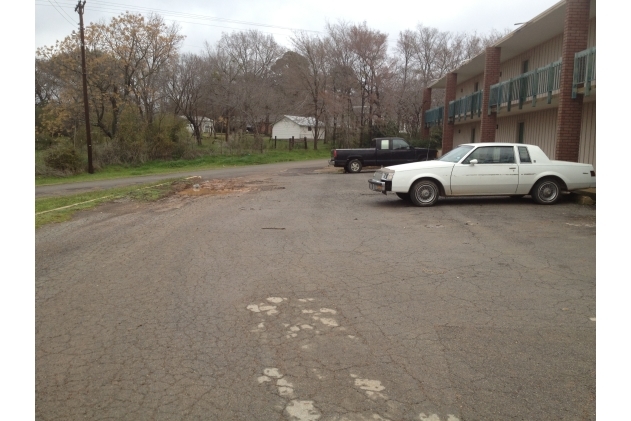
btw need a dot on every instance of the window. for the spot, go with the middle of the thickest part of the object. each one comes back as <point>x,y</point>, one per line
<point>473,135</point>
<point>524,156</point>
<point>520,132</point>
<point>399,144</point>
<point>309,128</point>
<point>492,155</point>
<point>455,155</point>
<point>384,144</point>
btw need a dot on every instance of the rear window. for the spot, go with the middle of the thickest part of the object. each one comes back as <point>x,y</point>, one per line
<point>524,156</point>
<point>399,144</point>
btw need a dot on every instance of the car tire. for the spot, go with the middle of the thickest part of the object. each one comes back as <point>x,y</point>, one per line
<point>354,166</point>
<point>546,191</point>
<point>404,196</point>
<point>424,193</point>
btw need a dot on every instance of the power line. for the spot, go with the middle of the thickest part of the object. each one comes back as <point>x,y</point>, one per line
<point>74,24</point>
<point>201,17</point>
<point>63,10</point>
<point>117,8</point>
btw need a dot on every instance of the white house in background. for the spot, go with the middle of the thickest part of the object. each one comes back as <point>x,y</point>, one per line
<point>298,127</point>
<point>207,125</point>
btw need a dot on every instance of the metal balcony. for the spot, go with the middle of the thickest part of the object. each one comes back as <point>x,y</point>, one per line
<point>584,72</point>
<point>469,106</point>
<point>434,116</point>
<point>529,85</point>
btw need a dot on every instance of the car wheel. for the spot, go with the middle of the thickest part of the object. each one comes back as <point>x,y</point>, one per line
<point>546,191</point>
<point>404,196</point>
<point>354,166</point>
<point>424,193</point>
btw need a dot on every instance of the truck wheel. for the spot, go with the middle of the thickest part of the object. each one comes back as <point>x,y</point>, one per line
<point>354,166</point>
<point>546,192</point>
<point>424,193</point>
<point>404,196</point>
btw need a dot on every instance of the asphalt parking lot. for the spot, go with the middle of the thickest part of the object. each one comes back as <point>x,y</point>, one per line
<point>299,294</point>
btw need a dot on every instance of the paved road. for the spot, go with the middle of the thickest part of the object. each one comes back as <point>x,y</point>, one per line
<point>84,186</point>
<point>301,295</point>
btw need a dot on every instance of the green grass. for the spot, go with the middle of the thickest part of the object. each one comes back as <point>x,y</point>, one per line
<point>206,162</point>
<point>82,201</point>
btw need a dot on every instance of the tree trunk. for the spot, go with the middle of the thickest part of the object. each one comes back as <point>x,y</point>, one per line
<point>227,129</point>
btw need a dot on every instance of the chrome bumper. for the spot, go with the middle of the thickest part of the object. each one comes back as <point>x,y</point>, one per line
<point>378,186</point>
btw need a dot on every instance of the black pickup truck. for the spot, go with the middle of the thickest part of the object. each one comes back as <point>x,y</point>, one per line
<point>386,151</point>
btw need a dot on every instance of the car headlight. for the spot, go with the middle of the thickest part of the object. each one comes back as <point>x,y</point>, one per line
<point>387,176</point>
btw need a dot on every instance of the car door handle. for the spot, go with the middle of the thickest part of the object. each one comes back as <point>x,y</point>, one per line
<point>512,168</point>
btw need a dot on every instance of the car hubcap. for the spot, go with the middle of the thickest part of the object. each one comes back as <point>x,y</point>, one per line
<point>425,193</point>
<point>548,192</point>
<point>354,166</point>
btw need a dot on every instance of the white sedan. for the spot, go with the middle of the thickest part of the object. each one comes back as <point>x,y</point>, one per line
<point>485,169</point>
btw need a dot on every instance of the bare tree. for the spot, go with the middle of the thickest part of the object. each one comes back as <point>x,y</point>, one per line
<point>312,74</point>
<point>370,48</point>
<point>360,53</point>
<point>343,82</point>
<point>245,62</point>
<point>141,48</point>
<point>124,58</point>
<point>188,90</point>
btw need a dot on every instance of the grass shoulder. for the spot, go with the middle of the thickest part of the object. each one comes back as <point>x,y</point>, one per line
<point>60,209</point>
<point>181,165</point>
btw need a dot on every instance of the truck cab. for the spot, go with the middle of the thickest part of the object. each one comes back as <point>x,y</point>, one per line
<point>393,151</point>
<point>385,151</point>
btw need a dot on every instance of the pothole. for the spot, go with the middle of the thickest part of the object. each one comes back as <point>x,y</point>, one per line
<point>227,186</point>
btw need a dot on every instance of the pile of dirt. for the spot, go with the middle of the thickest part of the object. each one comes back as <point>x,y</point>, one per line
<point>222,186</point>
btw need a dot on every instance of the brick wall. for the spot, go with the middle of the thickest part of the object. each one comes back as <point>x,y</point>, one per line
<point>575,36</point>
<point>491,77</point>
<point>427,101</point>
<point>448,128</point>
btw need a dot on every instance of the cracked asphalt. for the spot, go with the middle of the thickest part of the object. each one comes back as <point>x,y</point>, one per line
<point>309,297</point>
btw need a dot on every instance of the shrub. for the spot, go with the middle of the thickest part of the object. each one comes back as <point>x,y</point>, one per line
<point>63,158</point>
<point>117,152</point>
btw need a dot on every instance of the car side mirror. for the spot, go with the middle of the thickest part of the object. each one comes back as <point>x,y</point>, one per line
<point>473,161</point>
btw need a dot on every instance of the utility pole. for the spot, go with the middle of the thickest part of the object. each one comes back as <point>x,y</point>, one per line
<point>79,9</point>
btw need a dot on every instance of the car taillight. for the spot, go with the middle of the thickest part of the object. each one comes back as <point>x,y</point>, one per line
<point>593,173</point>
<point>334,153</point>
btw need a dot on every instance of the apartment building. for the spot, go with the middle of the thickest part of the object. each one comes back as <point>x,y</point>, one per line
<point>536,85</point>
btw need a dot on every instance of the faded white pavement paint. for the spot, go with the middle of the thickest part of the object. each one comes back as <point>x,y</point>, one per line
<point>328,321</point>
<point>434,417</point>
<point>272,372</point>
<point>372,385</point>
<point>263,308</point>
<point>302,411</point>
<point>295,408</point>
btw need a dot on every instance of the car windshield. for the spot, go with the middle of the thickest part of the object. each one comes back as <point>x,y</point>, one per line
<point>456,155</point>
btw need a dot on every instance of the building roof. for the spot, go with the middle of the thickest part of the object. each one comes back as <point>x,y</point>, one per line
<point>537,30</point>
<point>198,118</point>
<point>301,121</point>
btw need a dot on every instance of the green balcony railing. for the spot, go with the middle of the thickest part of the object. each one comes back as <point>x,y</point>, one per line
<point>434,116</point>
<point>468,107</point>
<point>584,71</point>
<point>543,80</point>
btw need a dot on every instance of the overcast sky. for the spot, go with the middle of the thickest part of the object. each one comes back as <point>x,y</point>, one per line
<point>205,20</point>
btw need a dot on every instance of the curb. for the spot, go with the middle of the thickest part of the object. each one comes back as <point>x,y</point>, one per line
<point>584,197</point>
